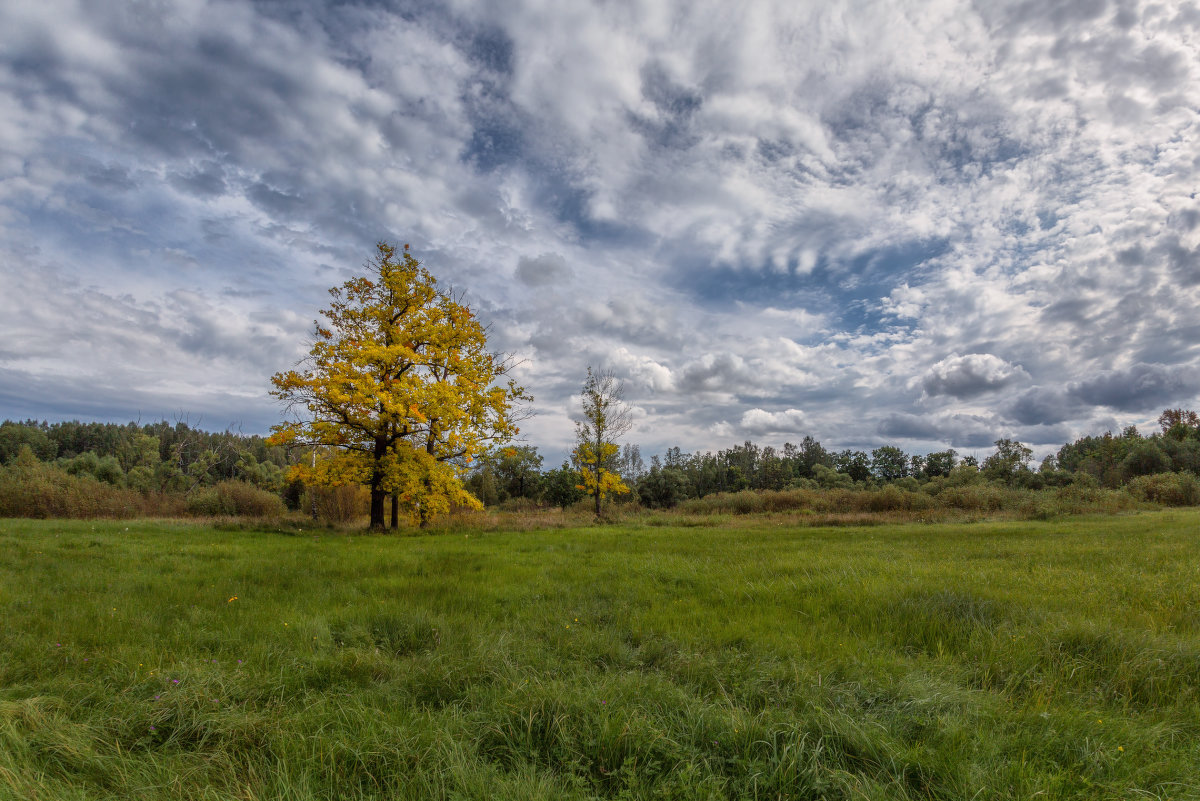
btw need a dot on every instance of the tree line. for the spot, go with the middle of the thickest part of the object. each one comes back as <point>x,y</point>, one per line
<point>166,457</point>
<point>516,472</point>
<point>151,457</point>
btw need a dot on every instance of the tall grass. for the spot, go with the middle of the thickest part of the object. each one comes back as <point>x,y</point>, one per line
<point>751,660</point>
<point>932,502</point>
<point>40,491</point>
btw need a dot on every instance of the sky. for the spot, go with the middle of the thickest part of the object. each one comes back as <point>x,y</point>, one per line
<point>927,224</point>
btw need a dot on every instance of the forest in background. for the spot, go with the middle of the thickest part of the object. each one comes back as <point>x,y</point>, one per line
<point>75,469</point>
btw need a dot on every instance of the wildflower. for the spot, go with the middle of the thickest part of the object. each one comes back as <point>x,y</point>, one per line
<point>174,681</point>
<point>153,729</point>
<point>1120,748</point>
<point>231,600</point>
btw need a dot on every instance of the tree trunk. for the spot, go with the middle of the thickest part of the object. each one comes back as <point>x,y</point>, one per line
<point>395,511</point>
<point>377,496</point>
<point>377,491</point>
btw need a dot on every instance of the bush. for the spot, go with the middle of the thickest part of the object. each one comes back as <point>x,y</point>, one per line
<point>1168,489</point>
<point>1145,459</point>
<point>972,497</point>
<point>234,498</point>
<point>31,489</point>
<point>828,478</point>
<point>662,488</point>
<point>891,498</point>
<point>338,504</point>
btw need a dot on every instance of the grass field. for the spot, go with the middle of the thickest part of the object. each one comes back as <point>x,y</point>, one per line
<point>147,660</point>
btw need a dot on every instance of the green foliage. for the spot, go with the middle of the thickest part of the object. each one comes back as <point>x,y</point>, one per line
<point>1179,423</point>
<point>29,488</point>
<point>1168,489</point>
<point>264,475</point>
<point>563,486</point>
<point>509,472</point>
<point>662,487</point>
<point>889,463</point>
<point>1145,458</point>
<point>855,464</point>
<point>828,478</point>
<point>940,463</point>
<point>1009,463</point>
<point>31,434</point>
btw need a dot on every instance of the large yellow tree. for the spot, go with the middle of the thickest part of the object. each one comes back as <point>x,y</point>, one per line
<point>399,390</point>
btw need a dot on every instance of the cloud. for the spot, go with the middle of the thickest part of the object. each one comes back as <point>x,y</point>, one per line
<point>958,430</point>
<point>970,375</point>
<point>762,423</point>
<point>716,372</point>
<point>744,210</point>
<point>546,269</point>
<point>1044,406</point>
<point>1139,388</point>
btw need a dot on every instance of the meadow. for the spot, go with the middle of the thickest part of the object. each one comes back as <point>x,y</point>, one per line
<point>732,657</point>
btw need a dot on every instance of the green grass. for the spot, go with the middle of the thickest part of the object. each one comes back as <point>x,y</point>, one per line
<point>752,660</point>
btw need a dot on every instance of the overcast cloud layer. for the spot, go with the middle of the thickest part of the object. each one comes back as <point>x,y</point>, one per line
<point>920,223</point>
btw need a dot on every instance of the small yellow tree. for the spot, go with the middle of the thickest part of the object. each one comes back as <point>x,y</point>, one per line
<point>605,418</point>
<point>400,389</point>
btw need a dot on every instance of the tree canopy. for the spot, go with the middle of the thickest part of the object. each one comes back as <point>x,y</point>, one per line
<point>399,390</point>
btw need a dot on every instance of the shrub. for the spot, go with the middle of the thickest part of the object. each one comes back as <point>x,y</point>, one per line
<point>892,498</point>
<point>31,489</point>
<point>204,503</point>
<point>828,478</point>
<point>1087,497</point>
<point>1168,489</point>
<point>972,497</point>
<point>1145,459</point>
<point>234,498</point>
<point>662,488</point>
<point>338,504</point>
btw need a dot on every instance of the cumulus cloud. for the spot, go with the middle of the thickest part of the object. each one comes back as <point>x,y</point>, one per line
<point>970,375</point>
<point>959,430</point>
<point>762,423</point>
<point>1141,387</point>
